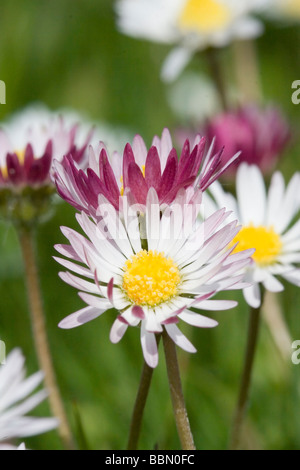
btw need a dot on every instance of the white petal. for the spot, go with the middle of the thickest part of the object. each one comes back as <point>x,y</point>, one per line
<point>198,320</point>
<point>214,305</point>
<point>292,276</point>
<point>152,219</point>
<point>117,331</point>
<point>179,338</point>
<point>272,284</point>
<point>251,195</point>
<point>275,198</point>
<point>175,62</point>
<point>149,347</point>
<point>252,295</point>
<point>80,317</point>
<point>94,301</point>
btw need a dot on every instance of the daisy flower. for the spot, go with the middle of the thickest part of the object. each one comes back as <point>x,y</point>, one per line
<point>137,171</point>
<point>284,10</point>
<point>154,268</point>
<point>30,141</point>
<point>190,24</point>
<point>16,400</point>
<point>28,144</point>
<point>266,224</point>
<point>260,134</point>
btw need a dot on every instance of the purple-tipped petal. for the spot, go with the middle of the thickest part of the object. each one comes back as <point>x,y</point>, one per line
<point>80,317</point>
<point>153,169</point>
<point>137,183</point>
<point>169,175</point>
<point>138,312</point>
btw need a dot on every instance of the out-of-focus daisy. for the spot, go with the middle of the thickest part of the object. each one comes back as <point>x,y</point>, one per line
<point>284,10</point>
<point>260,134</point>
<point>191,24</point>
<point>16,400</point>
<point>152,268</point>
<point>10,447</point>
<point>266,225</point>
<point>29,142</point>
<point>138,170</point>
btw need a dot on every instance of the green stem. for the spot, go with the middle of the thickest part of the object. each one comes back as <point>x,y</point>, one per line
<point>240,412</point>
<point>247,71</point>
<point>139,406</point>
<point>40,334</point>
<point>217,76</point>
<point>179,408</point>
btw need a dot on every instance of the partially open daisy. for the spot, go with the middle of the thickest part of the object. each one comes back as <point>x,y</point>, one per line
<point>153,268</point>
<point>16,400</point>
<point>29,142</point>
<point>260,134</point>
<point>266,219</point>
<point>137,171</point>
<point>192,24</point>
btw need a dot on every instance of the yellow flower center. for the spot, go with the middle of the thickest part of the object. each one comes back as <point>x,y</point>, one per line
<point>265,240</point>
<point>150,278</point>
<point>21,157</point>
<point>204,16</point>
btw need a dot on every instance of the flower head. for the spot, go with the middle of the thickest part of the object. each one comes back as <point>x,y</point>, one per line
<point>284,10</point>
<point>266,225</point>
<point>28,144</point>
<point>137,171</point>
<point>260,135</point>
<point>192,24</point>
<point>154,268</point>
<point>16,400</point>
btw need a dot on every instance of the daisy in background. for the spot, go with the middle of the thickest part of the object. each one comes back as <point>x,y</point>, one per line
<point>16,400</point>
<point>287,11</point>
<point>31,139</point>
<point>260,134</point>
<point>191,25</point>
<point>137,170</point>
<point>267,224</point>
<point>29,142</point>
<point>153,277</point>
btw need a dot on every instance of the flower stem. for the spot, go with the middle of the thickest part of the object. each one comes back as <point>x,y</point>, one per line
<point>40,334</point>
<point>253,330</point>
<point>139,406</point>
<point>217,76</point>
<point>179,408</point>
<point>247,71</point>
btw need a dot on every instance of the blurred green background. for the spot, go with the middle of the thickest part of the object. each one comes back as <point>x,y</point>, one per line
<point>69,54</point>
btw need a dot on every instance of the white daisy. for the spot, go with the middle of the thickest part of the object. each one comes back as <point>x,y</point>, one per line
<point>284,10</point>
<point>266,219</point>
<point>192,24</point>
<point>10,447</point>
<point>155,279</point>
<point>32,138</point>
<point>16,400</point>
